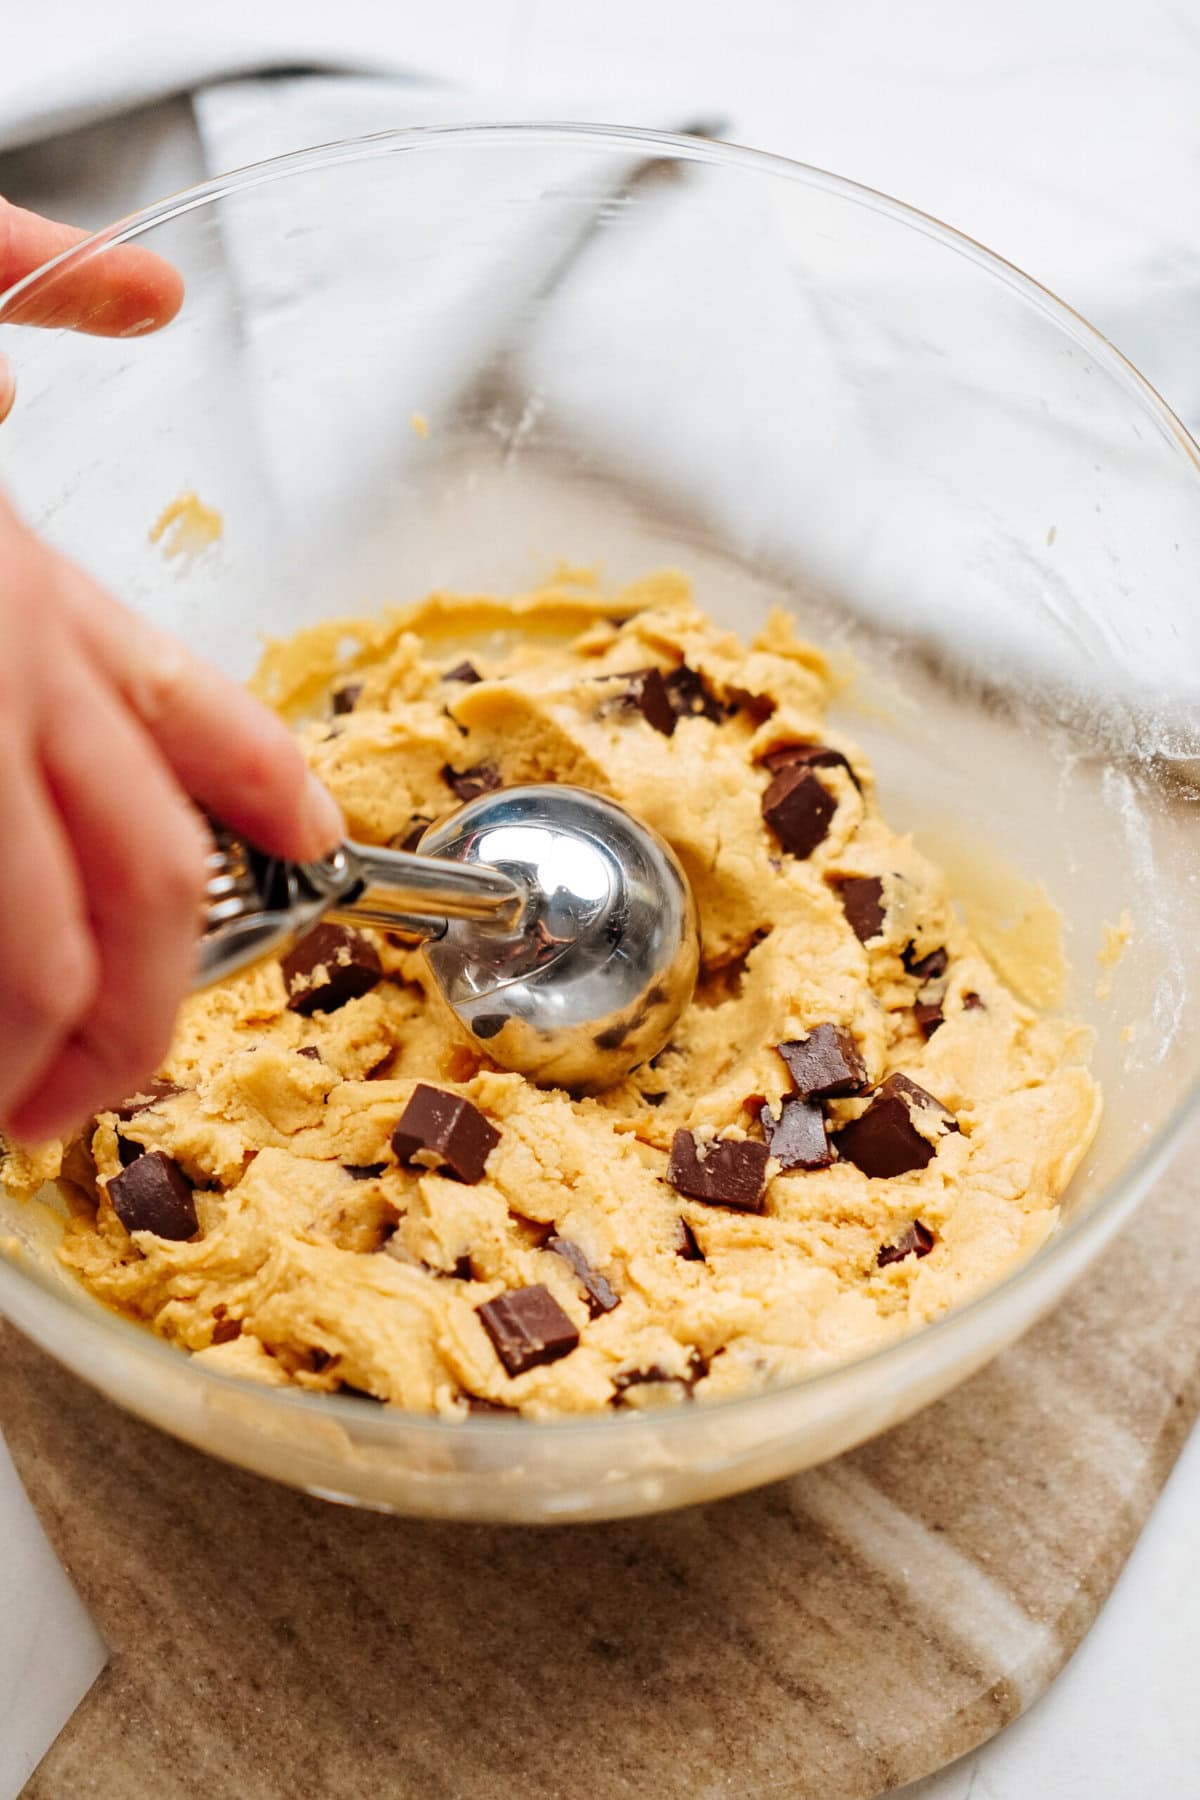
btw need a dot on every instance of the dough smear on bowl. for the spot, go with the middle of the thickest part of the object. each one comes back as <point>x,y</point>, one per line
<point>855,1126</point>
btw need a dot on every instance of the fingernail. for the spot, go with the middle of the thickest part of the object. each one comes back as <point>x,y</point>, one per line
<point>323,815</point>
<point>8,387</point>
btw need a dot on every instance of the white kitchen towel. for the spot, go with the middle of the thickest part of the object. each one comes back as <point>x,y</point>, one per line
<point>805,427</point>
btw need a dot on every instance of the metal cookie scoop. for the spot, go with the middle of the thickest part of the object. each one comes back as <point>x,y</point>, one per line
<point>560,931</point>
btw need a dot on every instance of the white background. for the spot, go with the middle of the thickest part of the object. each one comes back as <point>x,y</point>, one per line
<point>1065,135</point>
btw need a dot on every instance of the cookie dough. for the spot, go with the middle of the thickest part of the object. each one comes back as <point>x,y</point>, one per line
<point>733,1215</point>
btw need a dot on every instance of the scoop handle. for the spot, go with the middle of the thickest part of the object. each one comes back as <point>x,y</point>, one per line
<point>388,887</point>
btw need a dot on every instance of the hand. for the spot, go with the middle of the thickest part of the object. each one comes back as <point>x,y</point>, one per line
<point>109,729</point>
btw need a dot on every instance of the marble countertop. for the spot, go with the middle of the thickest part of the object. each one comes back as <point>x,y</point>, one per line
<point>1067,137</point>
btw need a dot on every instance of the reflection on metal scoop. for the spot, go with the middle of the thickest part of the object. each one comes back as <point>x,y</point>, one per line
<point>560,931</point>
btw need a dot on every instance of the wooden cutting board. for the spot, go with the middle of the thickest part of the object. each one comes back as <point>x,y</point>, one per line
<point>827,1638</point>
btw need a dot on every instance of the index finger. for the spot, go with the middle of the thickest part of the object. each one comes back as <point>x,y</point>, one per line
<point>121,291</point>
<point>227,750</point>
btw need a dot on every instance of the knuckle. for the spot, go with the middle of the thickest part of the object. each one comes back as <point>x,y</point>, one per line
<point>165,881</point>
<point>59,987</point>
<point>258,769</point>
<point>182,872</point>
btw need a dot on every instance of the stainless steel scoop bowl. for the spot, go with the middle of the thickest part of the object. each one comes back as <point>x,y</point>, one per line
<point>560,931</point>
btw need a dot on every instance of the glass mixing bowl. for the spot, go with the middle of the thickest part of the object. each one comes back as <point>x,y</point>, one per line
<point>451,357</point>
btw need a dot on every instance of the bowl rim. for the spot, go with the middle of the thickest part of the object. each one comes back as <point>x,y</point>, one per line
<point>1114,1204</point>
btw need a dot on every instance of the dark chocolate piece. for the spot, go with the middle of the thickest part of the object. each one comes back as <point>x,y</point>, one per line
<point>798,809</point>
<point>364,1171</point>
<point>462,1270</point>
<point>153,1194</point>
<point>974,1003</point>
<point>464,671</point>
<point>811,756</point>
<point>884,1141</point>
<point>346,698</point>
<point>475,1404</point>
<point>468,784</point>
<point>528,1327</point>
<point>351,968</point>
<point>862,902</point>
<point>925,968</point>
<point>797,1139</point>
<point>825,1065</point>
<point>915,1240</point>
<point>600,1295</point>
<point>929,1017</point>
<point>732,1171</point>
<point>648,691</point>
<point>688,1244</point>
<point>225,1330</point>
<point>450,1128</point>
<point>311,1051</point>
<point>690,697</point>
<point>645,691</point>
<point>627,1378</point>
<point>147,1095</point>
<point>489,1025</point>
<point>411,839</point>
<point>697,1368</point>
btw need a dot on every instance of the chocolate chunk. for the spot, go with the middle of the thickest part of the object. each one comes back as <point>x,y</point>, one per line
<point>825,1065</point>
<point>311,1051</point>
<point>925,968</point>
<point>797,1139</point>
<point>798,809</point>
<point>128,1151</point>
<point>600,1295</point>
<point>627,1378</point>
<point>462,1270</point>
<point>811,756</point>
<point>645,691</point>
<point>690,697</point>
<point>364,1171</point>
<point>350,967</point>
<point>464,671</point>
<point>915,1240</point>
<point>346,698</point>
<point>732,1171</point>
<point>528,1327</point>
<point>154,1195</point>
<point>468,784</point>
<point>687,1244</point>
<point>862,903</point>
<point>973,1003</point>
<point>146,1095</point>
<point>489,1025</point>
<point>929,1017</point>
<point>411,839</point>
<point>475,1404</point>
<point>697,1368</point>
<point>225,1330</point>
<point>884,1141</point>
<point>447,1127</point>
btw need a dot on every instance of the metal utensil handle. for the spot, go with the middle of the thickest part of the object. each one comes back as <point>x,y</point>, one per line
<point>393,884</point>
